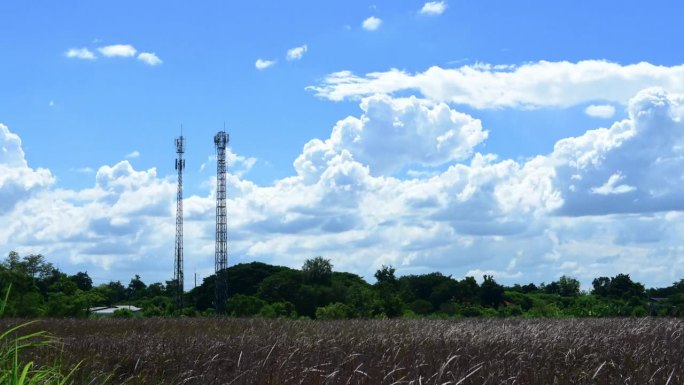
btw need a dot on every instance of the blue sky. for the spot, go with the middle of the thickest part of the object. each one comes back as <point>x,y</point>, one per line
<point>522,139</point>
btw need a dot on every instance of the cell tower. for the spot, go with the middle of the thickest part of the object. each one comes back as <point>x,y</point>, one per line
<point>178,269</point>
<point>221,257</point>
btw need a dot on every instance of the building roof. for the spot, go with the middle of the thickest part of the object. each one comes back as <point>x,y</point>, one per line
<point>105,310</point>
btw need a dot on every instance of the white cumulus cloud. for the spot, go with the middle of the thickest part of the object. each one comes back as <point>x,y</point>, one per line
<point>531,85</point>
<point>371,24</point>
<point>17,178</point>
<point>80,53</point>
<point>611,186</point>
<point>433,8</point>
<point>296,53</point>
<point>115,50</point>
<point>149,58</point>
<point>118,50</point>
<point>604,202</point>
<point>393,133</point>
<point>604,111</point>
<point>262,64</point>
<point>630,167</point>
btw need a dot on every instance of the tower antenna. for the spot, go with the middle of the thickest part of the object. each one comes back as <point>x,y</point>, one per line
<point>221,256</point>
<point>178,260</point>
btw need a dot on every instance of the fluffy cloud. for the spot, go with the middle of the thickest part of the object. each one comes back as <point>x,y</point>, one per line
<point>604,202</point>
<point>262,64</point>
<point>371,24</point>
<point>433,8</point>
<point>610,186</point>
<point>115,50</point>
<point>118,50</point>
<point>17,179</point>
<point>537,84</point>
<point>149,58</point>
<point>296,53</point>
<point>393,133</point>
<point>604,111</point>
<point>631,167</point>
<point>118,223</point>
<point>80,53</point>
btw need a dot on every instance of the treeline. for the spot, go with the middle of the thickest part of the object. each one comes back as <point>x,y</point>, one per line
<point>316,291</point>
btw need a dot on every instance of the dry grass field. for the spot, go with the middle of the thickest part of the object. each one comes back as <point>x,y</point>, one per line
<point>485,351</point>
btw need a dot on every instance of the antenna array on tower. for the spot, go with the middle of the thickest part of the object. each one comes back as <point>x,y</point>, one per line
<point>178,260</point>
<point>221,256</point>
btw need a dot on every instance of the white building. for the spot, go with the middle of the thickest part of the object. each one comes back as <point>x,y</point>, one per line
<point>106,310</point>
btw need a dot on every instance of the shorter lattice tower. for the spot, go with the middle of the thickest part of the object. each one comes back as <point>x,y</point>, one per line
<point>221,256</point>
<point>178,265</point>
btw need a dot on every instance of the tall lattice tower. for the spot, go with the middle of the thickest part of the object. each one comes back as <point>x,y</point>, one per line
<point>221,257</point>
<point>178,269</point>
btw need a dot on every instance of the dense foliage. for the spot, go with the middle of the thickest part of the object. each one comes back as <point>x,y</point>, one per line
<point>316,291</point>
<point>400,351</point>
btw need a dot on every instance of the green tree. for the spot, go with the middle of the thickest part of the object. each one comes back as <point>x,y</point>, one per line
<point>201,297</point>
<point>421,307</point>
<point>114,292</point>
<point>386,275</point>
<point>317,271</point>
<point>82,280</point>
<point>37,266</point>
<point>241,305</point>
<point>529,288</point>
<point>467,291</point>
<point>13,261</point>
<point>443,292</point>
<point>601,286</point>
<point>156,289</point>
<point>136,288</point>
<point>307,299</point>
<point>565,286</point>
<point>568,286</point>
<point>434,288</point>
<point>245,278</point>
<point>386,287</point>
<point>282,286</point>
<point>25,300</point>
<point>620,286</point>
<point>551,288</point>
<point>491,293</point>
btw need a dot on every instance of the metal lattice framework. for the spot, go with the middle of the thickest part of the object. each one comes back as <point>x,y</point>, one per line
<point>178,268</point>
<point>221,256</point>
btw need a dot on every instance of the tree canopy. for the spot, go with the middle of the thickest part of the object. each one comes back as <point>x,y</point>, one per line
<point>316,291</point>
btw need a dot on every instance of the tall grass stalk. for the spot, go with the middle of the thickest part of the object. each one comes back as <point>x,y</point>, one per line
<point>14,370</point>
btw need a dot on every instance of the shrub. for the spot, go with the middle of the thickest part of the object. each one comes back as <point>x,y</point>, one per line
<point>421,306</point>
<point>335,310</point>
<point>278,310</point>
<point>122,313</point>
<point>241,305</point>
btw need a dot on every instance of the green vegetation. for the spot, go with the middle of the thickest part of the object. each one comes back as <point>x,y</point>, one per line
<point>14,346</point>
<point>317,292</point>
